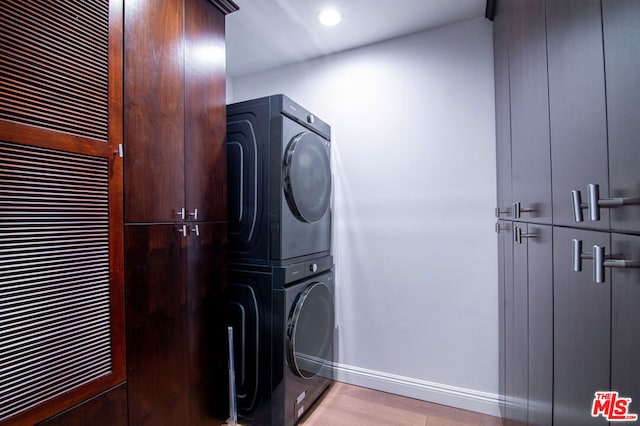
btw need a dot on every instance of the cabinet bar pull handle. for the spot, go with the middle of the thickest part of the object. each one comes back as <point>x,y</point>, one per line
<point>181,213</point>
<point>601,261</point>
<point>518,210</point>
<point>500,211</point>
<point>578,205</point>
<point>518,235</point>
<point>196,230</point>
<point>500,227</point>
<point>578,255</point>
<point>183,230</point>
<point>595,203</point>
<point>194,213</point>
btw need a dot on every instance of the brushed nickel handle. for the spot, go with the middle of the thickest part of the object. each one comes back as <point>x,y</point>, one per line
<point>181,213</point>
<point>500,211</point>
<point>578,206</point>
<point>194,213</point>
<point>518,210</point>
<point>601,261</point>
<point>595,202</point>
<point>182,229</point>
<point>196,230</point>
<point>500,227</point>
<point>578,256</point>
<point>518,235</point>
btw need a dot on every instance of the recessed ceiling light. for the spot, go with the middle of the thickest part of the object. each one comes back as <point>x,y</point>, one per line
<point>329,17</point>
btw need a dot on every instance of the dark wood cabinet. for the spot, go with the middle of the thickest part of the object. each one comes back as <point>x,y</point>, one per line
<point>174,68</point>
<point>106,409</point>
<point>174,323</point>
<point>577,107</point>
<point>175,211</point>
<point>622,61</point>
<point>530,149</point>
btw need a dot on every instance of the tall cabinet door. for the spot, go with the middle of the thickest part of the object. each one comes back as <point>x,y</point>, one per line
<point>517,337</point>
<point>625,327</point>
<point>530,151</point>
<point>540,324</point>
<point>503,114</point>
<point>156,308</point>
<point>622,59</point>
<point>153,111</point>
<point>577,107</point>
<point>205,116</point>
<point>582,312</point>
<point>505,291</point>
<point>206,331</point>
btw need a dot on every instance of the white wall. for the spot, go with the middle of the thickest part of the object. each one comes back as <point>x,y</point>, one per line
<point>414,242</point>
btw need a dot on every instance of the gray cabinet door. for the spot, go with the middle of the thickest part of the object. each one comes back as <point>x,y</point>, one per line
<point>625,327</point>
<point>577,108</point>
<point>621,24</point>
<point>505,274</point>
<point>517,337</point>
<point>540,329</point>
<point>503,115</point>
<point>530,150</point>
<point>581,315</point>
<point>505,298</point>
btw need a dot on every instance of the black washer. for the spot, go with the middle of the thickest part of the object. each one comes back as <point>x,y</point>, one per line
<point>307,177</point>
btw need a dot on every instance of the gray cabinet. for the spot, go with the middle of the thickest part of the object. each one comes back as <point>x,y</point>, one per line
<point>567,136</point>
<point>577,108</point>
<point>581,330</point>
<point>622,61</point>
<point>530,149</point>
<point>529,327</point>
<point>503,113</point>
<point>597,324</point>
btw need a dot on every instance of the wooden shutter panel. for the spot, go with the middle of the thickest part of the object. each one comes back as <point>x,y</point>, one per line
<point>54,267</point>
<point>55,64</point>
<point>61,223</point>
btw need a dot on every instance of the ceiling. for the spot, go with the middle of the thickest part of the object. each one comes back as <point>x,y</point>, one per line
<point>265,34</point>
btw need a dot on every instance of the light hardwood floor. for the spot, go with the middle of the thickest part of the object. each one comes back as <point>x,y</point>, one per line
<point>351,405</point>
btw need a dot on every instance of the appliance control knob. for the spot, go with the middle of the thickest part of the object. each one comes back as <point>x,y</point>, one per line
<point>313,267</point>
<point>311,119</point>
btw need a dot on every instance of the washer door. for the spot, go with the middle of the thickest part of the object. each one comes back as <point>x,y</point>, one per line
<point>307,177</point>
<point>310,331</point>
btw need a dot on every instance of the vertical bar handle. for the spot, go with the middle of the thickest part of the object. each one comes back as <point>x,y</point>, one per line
<point>196,230</point>
<point>598,264</point>
<point>577,255</point>
<point>593,202</point>
<point>183,230</point>
<point>194,213</point>
<point>576,199</point>
<point>180,212</point>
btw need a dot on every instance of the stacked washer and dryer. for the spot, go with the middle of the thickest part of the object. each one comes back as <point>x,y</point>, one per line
<point>281,286</point>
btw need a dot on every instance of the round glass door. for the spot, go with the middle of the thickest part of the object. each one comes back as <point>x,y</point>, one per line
<point>307,177</point>
<point>310,331</point>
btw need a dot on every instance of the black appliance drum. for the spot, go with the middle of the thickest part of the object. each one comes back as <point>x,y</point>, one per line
<point>279,182</point>
<point>283,320</point>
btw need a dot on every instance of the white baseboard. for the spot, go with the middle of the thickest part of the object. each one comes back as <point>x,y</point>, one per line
<point>466,399</point>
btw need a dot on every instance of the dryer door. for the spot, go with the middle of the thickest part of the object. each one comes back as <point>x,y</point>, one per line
<point>307,177</point>
<point>310,331</point>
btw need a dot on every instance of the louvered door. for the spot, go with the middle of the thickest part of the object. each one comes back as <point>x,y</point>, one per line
<point>61,243</point>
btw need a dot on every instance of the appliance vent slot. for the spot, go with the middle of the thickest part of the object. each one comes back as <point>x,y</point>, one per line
<point>55,330</point>
<point>54,65</point>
